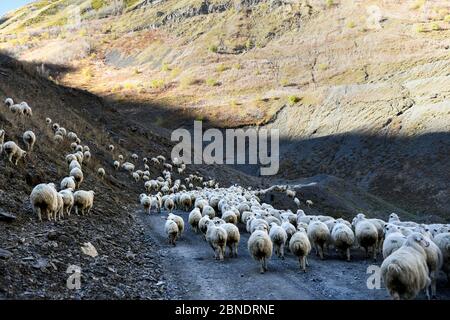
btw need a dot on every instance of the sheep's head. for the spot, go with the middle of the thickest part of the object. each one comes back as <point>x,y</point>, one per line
<point>393,217</point>
<point>419,239</point>
<point>302,225</point>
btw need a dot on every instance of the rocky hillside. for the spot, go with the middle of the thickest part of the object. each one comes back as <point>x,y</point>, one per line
<point>359,89</point>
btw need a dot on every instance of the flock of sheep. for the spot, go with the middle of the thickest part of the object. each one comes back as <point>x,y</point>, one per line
<point>413,254</point>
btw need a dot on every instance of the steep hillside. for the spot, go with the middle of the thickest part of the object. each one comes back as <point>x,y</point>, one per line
<point>359,90</point>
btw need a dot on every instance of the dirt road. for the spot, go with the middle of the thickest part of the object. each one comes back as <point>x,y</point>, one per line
<point>192,273</point>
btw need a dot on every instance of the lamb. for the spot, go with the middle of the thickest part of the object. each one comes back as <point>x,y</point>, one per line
<point>172,231</point>
<point>68,183</point>
<point>260,246</point>
<point>179,221</point>
<point>405,272</point>
<point>366,235</point>
<point>194,219</point>
<point>169,205</point>
<point>146,202</point>
<point>44,199</point>
<point>233,238</point>
<point>343,238</point>
<point>78,176</point>
<point>116,165</point>
<point>318,234</point>
<point>68,200</point>
<point>279,237</point>
<point>216,236</point>
<point>29,138</point>
<point>393,240</point>
<point>101,173</point>
<point>13,152</point>
<point>83,200</point>
<point>300,246</point>
<point>442,240</point>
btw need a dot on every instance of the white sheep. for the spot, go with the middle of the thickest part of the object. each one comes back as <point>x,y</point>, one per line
<point>230,217</point>
<point>309,203</point>
<point>209,211</point>
<point>13,152</point>
<point>279,237</point>
<point>48,121</point>
<point>134,156</point>
<point>120,157</point>
<point>186,202</point>
<point>74,164</point>
<point>343,238</point>
<point>146,202</point>
<point>366,235</point>
<point>111,147</point>
<point>101,173</point>
<point>172,231</point>
<point>216,236</point>
<point>393,240</point>
<point>127,166</point>
<point>290,193</point>
<point>26,109</point>
<point>9,102</point>
<point>72,136</point>
<point>233,238</point>
<point>136,176</point>
<point>319,235</point>
<point>289,228</point>
<point>2,139</point>
<point>78,176</point>
<point>179,221</point>
<point>83,201</point>
<point>57,138</point>
<point>87,156</point>
<point>169,204</point>
<point>29,138</point>
<point>300,246</point>
<point>260,246</point>
<point>203,225</point>
<point>194,219</point>
<point>116,165</point>
<point>44,199</point>
<point>442,240</point>
<point>68,183</point>
<point>68,200</point>
<point>405,272</point>
<point>60,208</point>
